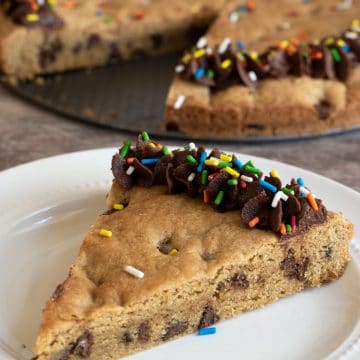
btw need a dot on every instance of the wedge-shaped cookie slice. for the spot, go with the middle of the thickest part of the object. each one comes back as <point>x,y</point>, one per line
<point>190,238</point>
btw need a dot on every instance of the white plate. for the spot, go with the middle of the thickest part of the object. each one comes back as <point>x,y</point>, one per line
<point>47,206</point>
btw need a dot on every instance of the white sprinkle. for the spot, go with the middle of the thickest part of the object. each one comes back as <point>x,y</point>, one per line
<point>179,102</point>
<point>202,42</point>
<point>191,177</point>
<point>350,35</point>
<point>192,146</point>
<point>279,195</point>
<point>214,158</point>
<point>284,26</point>
<point>252,76</point>
<point>41,2</point>
<point>303,191</point>
<point>344,4</point>
<point>133,271</point>
<point>179,68</point>
<point>130,170</point>
<point>224,45</point>
<point>234,17</point>
<point>246,178</point>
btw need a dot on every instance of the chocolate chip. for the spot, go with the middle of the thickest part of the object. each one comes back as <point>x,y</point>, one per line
<point>127,338</point>
<point>83,344</point>
<point>255,127</point>
<point>172,126</point>
<point>175,329</point>
<point>328,252</point>
<point>209,317</point>
<point>157,40</point>
<point>114,57</point>
<point>58,292</point>
<point>93,40</point>
<point>144,332</point>
<point>323,109</point>
<point>165,246</point>
<point>48,53</point>
<point>195,31</point>
<point>240,281</point>
<point>294,268</point>
<point>77,48</point>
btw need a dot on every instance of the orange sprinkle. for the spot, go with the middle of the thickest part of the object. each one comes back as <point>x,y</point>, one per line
<point>251,5</point>
<point>294,41</point>
<point>252,223</point>
<point>291,50</point>
<point>138,15</point>
<point>206,197</point>
<point>130,160</point>
<point>317,55</point>
<point>282,229</point>
<point>68,4</point>
<point>304,35</point>
<point>310,198</point>
<point>159,146</point>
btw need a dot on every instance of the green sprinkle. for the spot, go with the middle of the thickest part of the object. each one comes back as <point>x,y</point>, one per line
<point>288,228</point>
<point>108,20</point>
<point>219,197</point>
<point>335,54</point>
<point>252,169</point>
<point>204,177</point>
<point>248,163</point>
<point>145,136</point>
<point>210,73</point>
<point>191,160</point>
<point>166,150</point>
<point>125,149</point>
<point>305,55</point>
<point>224,164</point>
<point>232,182</point>
<point>287,191</point>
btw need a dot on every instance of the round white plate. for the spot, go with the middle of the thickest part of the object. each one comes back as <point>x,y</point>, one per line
<point>48,205</point>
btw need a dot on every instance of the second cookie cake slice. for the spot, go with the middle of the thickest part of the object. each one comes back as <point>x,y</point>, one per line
<point>162,263</point>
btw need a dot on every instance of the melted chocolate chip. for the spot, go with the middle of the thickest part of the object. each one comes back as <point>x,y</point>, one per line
<point>144,332</point>
<point>165,246</point>
<point>328,251</point>
<point>175,329</point>
<point>294,268</point>
<point>156,40</point>
<point>323,108</point>
<point>209,317</point>
<point>58,292</point>
<point>240,281</point>
<point>127,338</point>
<point>114,57</point>
<point>48,53</point>
<point>83,344</point>
<point>93,40</point>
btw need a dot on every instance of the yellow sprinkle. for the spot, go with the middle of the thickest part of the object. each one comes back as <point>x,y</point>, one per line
<point>152,145</point>
<point>226,63</point>
<point>316,42</point>
<point>118,206</point>
<point>211,162</point>
<point>253,55</point>
<point>355,23</point>
<point>199,53</point>
<point>329,41</point>
<point>226,158</point>
<point>186,58</point>
<point>32,17</point>
<point>195,9</point>
<point>341,42</point>
<point>173,252</point>
<point>232,172</point>
<point>106,233</point>
<point>274,173</point>
<point>284,44</point>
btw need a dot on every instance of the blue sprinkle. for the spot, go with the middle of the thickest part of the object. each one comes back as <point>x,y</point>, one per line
<point>243,8</point>
<point>238,163</point>
<point>199,73</point>
<point>345,48</point>
<point>99,13</point>
<point>300,181</point>
<point>203,157</point>
<point>207,331</point>
<point>240,45</point>
<point>149,161</point>
<point>268,186</point>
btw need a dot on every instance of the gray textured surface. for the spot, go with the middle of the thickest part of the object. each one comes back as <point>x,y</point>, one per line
<point>29,133</point>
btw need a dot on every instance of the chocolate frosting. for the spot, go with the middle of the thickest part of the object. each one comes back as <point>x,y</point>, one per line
<point>330,58</point>
<point>225,186</point>
<point>18,11</point>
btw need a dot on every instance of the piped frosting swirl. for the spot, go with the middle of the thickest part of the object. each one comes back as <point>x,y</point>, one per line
<point>222,181</point>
